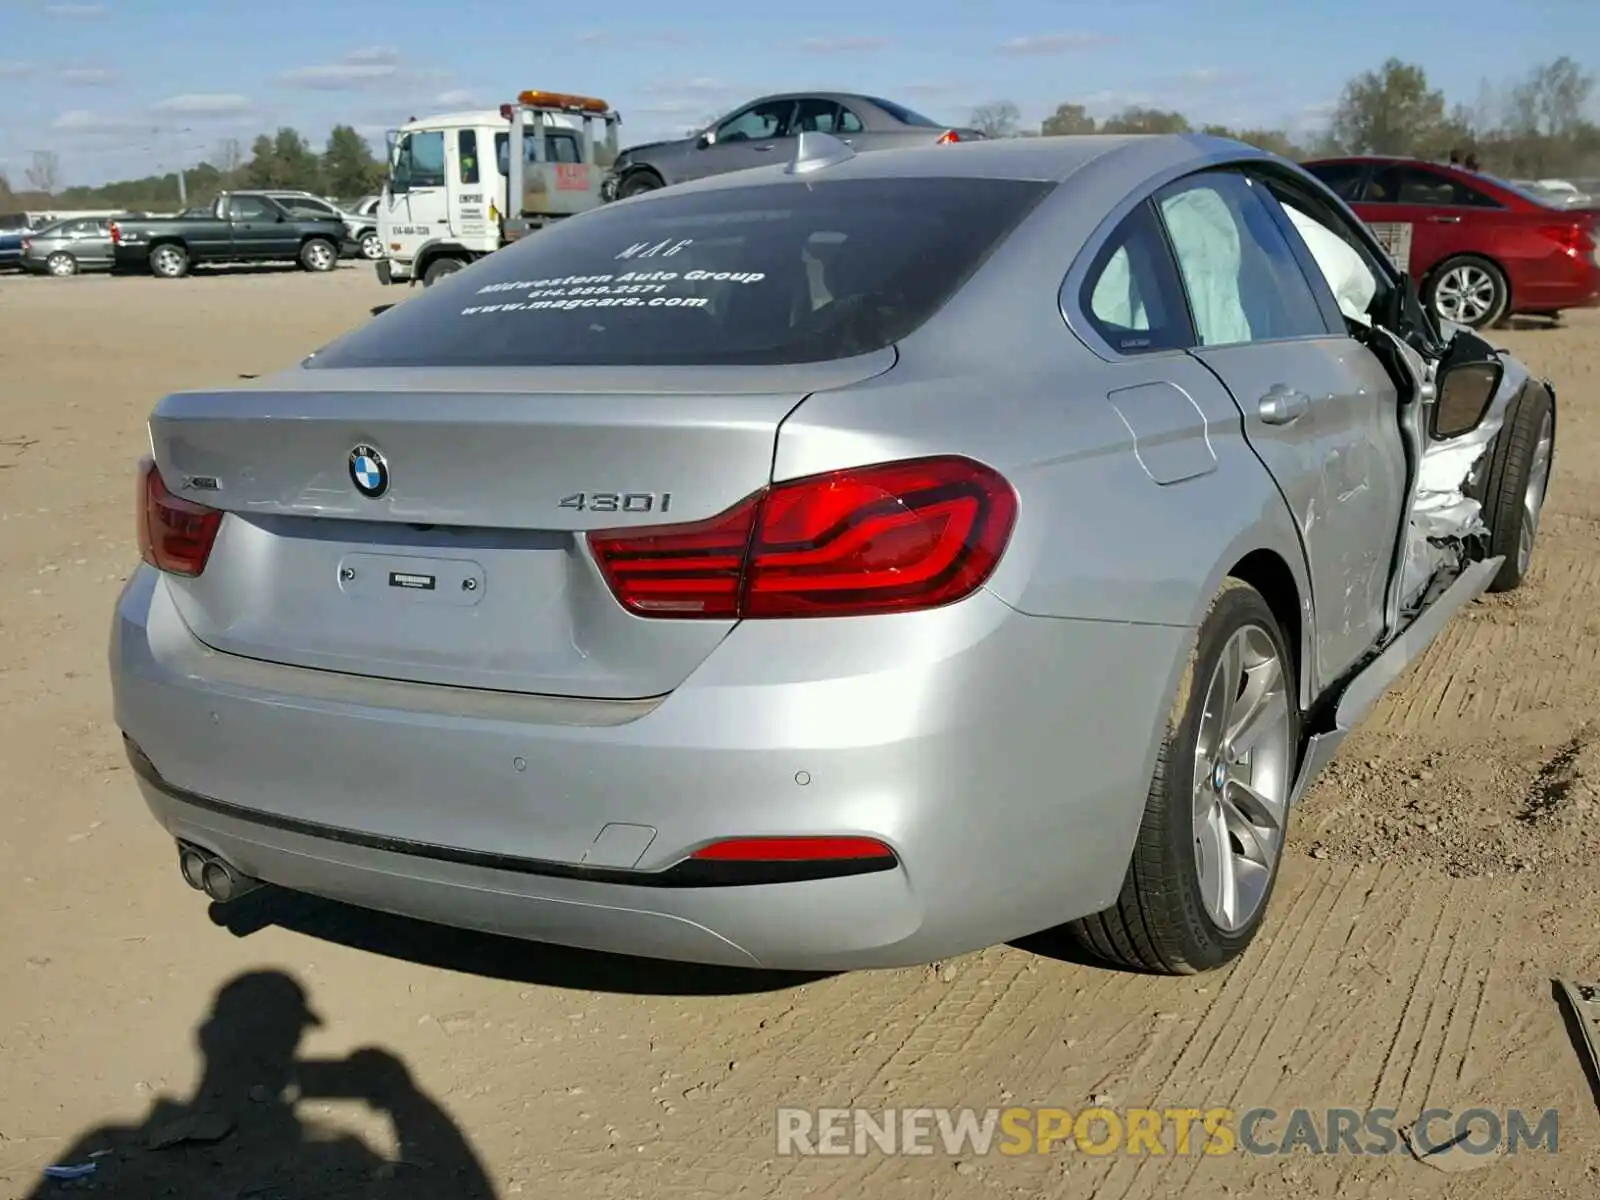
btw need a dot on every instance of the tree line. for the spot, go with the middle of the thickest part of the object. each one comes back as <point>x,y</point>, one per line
<point>1531,127</point>
<point>345,168</point>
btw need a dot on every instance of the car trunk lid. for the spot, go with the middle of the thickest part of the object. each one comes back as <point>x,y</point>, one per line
<point>471,568</point>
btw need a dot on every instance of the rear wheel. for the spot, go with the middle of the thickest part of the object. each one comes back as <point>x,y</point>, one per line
<point>1470,291</point>
<point>1519,478</point>
<point>638,183</point>
<point>319,254</point>
<point>1208,850</point>
<point>439,268</point>
<point>169,261</point>
<point>61,264</point>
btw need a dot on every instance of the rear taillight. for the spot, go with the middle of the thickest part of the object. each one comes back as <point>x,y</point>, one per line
<point>27,244</point>
<point>1575,239</point>
<point>116,234</point>
<point>947,137</point>
<point>890,538</point>
<point>175,535</point>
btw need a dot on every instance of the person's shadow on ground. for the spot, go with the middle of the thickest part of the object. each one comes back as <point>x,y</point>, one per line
<point>241,1138</point>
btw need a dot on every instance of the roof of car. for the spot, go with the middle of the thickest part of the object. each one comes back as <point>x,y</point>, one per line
<point>1053,159</point>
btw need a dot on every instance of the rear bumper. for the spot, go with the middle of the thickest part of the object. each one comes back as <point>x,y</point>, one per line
<point>1006,764</point>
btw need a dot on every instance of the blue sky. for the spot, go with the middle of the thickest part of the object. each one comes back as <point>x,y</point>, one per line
<point>118,88</point>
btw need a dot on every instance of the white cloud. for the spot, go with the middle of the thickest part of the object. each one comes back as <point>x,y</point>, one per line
<point>458,98</point>
<point>88,120</point>
<point>12,69</point>
<point>842,45</point>
<point>1040,44</point>
<point>203,104</point>
<point>88,76</point>
<point>79,12</point>
<point>380,56</point>
<point>369,66</point>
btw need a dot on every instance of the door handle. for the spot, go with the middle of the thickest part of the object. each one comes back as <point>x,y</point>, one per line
<point>762,149</point>
<point>848,141</point>
<point>1443,220</point>
<point>1282,405</point>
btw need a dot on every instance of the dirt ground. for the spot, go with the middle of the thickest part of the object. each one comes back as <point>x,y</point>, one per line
<point>1440,875</point>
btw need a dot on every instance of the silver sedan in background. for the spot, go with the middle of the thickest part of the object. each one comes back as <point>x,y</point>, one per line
<point>68,247</point>
<point>845,564</point>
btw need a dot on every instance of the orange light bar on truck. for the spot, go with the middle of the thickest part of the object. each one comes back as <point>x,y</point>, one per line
<point>563,100</point>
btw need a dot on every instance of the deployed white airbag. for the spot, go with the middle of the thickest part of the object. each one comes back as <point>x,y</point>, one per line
<point>1348,276</point>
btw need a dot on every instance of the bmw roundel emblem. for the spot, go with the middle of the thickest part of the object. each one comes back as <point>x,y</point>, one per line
<point>368,471</point>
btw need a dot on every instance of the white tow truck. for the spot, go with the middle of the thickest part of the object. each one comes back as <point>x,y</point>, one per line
<point>462,185</point>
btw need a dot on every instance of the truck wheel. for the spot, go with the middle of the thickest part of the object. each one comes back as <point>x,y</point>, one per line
<point>1468,290</point>
<point>371,246</point>
<point>439,268</point>
<point>319,254</point>
<point>1207,855</point>
<point>169,261</point>
<point>638,183</point>
<point>1519,477</point>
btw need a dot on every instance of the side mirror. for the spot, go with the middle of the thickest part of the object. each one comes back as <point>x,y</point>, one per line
<point>1464,391</point>
<point>708,138</point>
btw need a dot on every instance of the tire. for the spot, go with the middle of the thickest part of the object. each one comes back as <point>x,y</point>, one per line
<point>1519,479</point>
<point>1468,290</point>
<point>61,264</point>
<point>1169,917</point>
<point>638,184</point>
<point>439,268</point>
<point>319,254</point>
<point>371,246</point>
<point>169,261</point>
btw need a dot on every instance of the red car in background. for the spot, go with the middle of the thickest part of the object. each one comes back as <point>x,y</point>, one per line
<point>1479,248</point>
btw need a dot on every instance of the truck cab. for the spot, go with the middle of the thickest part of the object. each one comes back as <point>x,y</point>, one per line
<point>462,185</point>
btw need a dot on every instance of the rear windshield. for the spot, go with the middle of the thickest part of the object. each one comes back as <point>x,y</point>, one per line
<point>784,273</point>
<point>905,115</point>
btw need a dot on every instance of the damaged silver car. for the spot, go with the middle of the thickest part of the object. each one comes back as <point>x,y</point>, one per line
<point>847,563</point>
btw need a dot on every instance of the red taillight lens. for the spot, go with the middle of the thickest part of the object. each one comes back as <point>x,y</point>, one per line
<point>949,136</point>
<point>116,234</point>
<point>175,535</point>
<point>793,849</point>
<point>890,538</point>
<point>1574,239</point>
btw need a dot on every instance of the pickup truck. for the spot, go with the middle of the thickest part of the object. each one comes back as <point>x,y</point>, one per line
<point>239,227</point>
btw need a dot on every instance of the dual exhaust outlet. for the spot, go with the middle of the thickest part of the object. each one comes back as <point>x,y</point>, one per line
<point>217,878</point>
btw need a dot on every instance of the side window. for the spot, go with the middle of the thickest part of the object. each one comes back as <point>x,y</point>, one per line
<point>1342,179</point>
<point>427,159</point>
<point>301,207</point>
<point>849,122</point>
<point>1241,277</point>
<point>250,208</point>
<point>816,116</point>
<point>1131,293</point>
<point>502,153</point>
<point>757,123</point>
<point>467,155</point>
<point>1399,184</point>
<point>562,148</point>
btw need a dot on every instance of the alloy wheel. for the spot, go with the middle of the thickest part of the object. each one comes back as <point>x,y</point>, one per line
<point>1243,763</point>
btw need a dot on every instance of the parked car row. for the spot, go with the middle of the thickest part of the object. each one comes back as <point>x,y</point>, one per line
<point>237,227</point>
